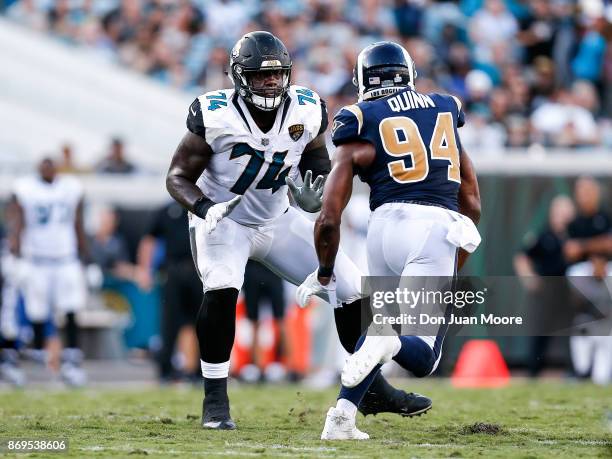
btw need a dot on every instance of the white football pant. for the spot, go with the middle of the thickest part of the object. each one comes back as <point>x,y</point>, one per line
<point>285,246</point>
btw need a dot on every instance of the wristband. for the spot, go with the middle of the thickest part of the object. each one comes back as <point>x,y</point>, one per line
<point>201,206</point>
<point>325,271</point>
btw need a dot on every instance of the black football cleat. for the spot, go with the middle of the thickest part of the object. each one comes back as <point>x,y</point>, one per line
<point>397,401</point>
<point>216,414</point>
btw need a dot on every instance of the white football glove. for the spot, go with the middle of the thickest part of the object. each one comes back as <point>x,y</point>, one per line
<point>309,196</point>
<point>311,286</point>
<point>218,211</point>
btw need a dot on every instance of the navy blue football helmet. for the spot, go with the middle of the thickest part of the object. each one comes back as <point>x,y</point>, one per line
<point>383,68</point>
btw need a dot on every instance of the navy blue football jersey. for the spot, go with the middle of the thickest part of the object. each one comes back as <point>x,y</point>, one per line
<point>418,152</point>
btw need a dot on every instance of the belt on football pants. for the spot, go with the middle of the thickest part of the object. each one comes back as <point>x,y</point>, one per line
<point>420,203</point>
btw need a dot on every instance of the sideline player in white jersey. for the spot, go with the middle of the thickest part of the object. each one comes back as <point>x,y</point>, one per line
<point>423,188</point>
<point>9,324</point>
<point>47,237</point>
<point>242,148</point>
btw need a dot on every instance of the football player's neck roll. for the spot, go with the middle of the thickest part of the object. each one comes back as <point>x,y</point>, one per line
<point>260,68</point>
<point>382,69</point>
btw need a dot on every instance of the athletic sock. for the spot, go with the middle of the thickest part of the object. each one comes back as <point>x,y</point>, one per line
<point>355,394</point>
<point>39,335</point>
<point>347,406</point>
<point>72,331</point>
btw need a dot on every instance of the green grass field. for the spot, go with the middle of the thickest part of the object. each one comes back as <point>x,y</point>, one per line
<point>534,420</point>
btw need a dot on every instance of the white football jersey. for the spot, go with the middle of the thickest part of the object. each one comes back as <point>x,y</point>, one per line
<point>49,213</point>
<point>252,163</point>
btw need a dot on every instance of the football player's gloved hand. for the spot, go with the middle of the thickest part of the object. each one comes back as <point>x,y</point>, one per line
<point>218,211</point>
<point>311,286</point>
<point>310,195</point>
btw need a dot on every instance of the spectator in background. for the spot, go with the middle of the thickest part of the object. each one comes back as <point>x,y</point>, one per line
<point>591,352</point>
<point>585,96</point>
<point>478,86</point>
<point>408,15</point>
<point>518,132</point>
<point>108,249</point>
<point>589,60</point>
<point>66,163</point>
<point>562,123</point>
<point>115,162</point>
<point>542,256</point>
<point>182,289</point>
<point>490,25</point>
<point>542,81</point>
<point>537,30</point>
<point>29,13</point>
<point>591,220</point>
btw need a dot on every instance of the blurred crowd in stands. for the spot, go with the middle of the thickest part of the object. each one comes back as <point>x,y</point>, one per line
<point>115,161</point>
<point>535,72</point>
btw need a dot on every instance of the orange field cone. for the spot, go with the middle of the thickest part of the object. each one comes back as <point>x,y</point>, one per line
<point>480,364</point>
<point>241,352</point>
<point>298,339</point>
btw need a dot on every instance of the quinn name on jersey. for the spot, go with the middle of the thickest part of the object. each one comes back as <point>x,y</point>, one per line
<point>249,162</point>
<point>417,146</point>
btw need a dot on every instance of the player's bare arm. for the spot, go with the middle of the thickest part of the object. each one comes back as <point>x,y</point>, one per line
<point>16,221</point>
<point>189,161</point>
<point>468,197</point>
<point>315,158</point>
<point>336,196</point>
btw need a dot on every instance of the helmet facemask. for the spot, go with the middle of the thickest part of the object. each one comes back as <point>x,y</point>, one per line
<point>264,88</point>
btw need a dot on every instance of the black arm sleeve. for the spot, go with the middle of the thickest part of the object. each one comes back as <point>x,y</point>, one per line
<point>317,160</point>
<point>195,121</point>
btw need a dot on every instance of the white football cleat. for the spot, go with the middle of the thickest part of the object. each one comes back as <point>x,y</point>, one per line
<point>73,375</point>
<point>341,426</point>
<point>374,350</point>
<point>71,372</point>
<point>9,369</point>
